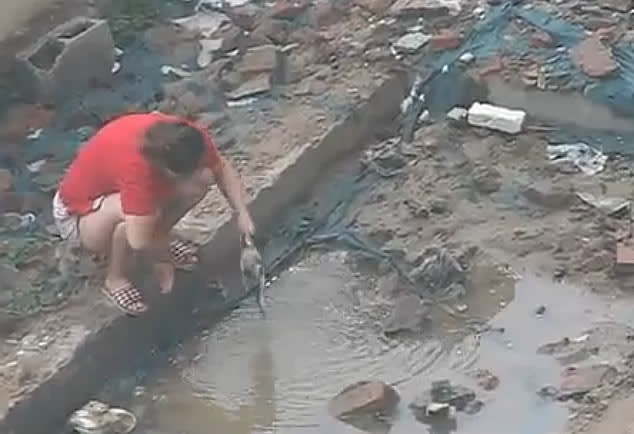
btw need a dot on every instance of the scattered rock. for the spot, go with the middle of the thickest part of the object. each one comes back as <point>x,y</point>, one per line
<point>446,40</point>
<point>494,66</point>
<point>541,39</point>
<point>269,29</point>
<point>408,314</point>
<point>257,85</point>
<point>365,397</point>
<point>486,379</point>
<point>496,118</point>
<point>424,7</point>
<point>245,16</point>
<point>617,5</point>
<point>266,59</point>
<point>549,194</point>
<point>458,114</point>
<point>375,6</point>
<point>327,13</point>
<point>207,49</point>
<point>441,395</point>
<point>578,381</point>
<point>540,311</point>
<point>288,9</point>
<point>594,58</point>
<point>412,42</point>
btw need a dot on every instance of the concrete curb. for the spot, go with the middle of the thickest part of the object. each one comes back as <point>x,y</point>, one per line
<point>102,343</point>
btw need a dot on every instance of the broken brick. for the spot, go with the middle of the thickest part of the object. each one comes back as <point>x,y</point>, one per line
<point>540,39</point>
<point>594,58</point>
<point>288,10</point>
<point>624,257</point>
<point>446,40</point>
<point>494,66</point>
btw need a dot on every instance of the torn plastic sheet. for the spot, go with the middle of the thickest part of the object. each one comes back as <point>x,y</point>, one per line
<point>586,159</point>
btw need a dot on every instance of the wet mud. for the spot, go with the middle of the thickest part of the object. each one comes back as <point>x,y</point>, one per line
<point>278,374</point>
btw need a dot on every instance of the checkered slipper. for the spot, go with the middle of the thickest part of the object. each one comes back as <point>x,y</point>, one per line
<point>183,254</point>
<point>127,298</point>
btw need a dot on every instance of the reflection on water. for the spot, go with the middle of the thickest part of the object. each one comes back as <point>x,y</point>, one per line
<point>254,375</point>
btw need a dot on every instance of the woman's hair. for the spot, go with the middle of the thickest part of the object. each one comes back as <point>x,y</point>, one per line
<point>176,146</point>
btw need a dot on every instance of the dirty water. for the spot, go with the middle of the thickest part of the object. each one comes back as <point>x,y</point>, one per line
<point>556,107</point>
<point>251,375</point>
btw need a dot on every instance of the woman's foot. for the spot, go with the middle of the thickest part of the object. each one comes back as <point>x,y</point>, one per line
<point>164,272</point>
<point>125,296</point>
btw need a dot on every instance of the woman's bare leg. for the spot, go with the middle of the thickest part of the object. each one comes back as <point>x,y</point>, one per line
<point>172,212</point>
<point>103,232</point>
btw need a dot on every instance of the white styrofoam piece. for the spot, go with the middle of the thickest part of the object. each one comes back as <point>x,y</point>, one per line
<point>496,118</point>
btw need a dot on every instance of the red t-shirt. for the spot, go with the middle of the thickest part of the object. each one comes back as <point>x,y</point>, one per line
<point>111,161</point>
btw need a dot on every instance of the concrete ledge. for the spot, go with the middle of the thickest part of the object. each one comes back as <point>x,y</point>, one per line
<point>94,342</point>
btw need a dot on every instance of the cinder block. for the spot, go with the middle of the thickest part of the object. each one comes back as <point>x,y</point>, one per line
<point>74,55</point>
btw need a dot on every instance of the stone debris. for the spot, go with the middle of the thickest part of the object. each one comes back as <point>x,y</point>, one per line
<point>412,42</point>
<point>444,399</point>
<point>594,58</point>
<point>362,398</point>
<point>207,49</point>
<point>204,23</point>
<point>548,194</point>
<point>458,114</point>
<point>496,118</point>
<point>423,7</point>
<point>617,5</point>
<point>257,85</point>
<point>445,40</point>
<point>408,314</point>
<point>97,417</point>
<point>578,381</point>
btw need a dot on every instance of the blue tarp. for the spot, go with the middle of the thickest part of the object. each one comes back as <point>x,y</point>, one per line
<point>488,39</point>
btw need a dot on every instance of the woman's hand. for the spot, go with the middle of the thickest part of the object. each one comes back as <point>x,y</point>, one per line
<point>245,225</point>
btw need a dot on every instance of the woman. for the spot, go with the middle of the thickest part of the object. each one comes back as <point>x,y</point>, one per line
<point>130,184</point>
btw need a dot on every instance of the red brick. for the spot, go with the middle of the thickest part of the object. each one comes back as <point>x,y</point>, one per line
<point>594,58</point>
<point>446,40</point>
<point>625,257</point>
<point>540,39</point>
<point>494,66</point>
<point>289,10</point>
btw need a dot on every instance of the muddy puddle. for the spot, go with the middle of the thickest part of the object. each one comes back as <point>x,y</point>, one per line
<point>253,375</point>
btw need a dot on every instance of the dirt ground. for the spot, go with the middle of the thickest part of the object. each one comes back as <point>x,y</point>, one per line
<point>492,200</point>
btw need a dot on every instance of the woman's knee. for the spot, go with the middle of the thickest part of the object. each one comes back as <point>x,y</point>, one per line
<point>97,228</point>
